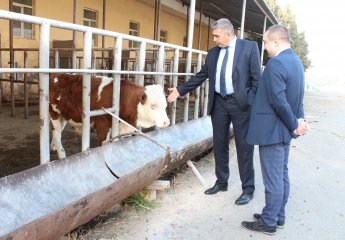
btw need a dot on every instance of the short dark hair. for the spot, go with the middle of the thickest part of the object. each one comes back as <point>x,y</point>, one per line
<point>279,31</point>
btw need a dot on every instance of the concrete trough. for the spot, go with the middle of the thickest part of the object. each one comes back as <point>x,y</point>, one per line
<point>50,200</point>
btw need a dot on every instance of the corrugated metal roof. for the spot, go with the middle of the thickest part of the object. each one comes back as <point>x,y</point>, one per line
<point>256,10</point>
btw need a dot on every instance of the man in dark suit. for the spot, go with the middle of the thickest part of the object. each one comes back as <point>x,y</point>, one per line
<point>276,117</point>
<point>233,68</point>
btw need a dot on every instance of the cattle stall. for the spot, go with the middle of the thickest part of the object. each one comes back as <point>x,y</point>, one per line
<point>72,191</point>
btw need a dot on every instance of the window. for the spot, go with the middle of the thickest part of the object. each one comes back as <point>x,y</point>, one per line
<point>90,20</point>
<point>22,29</point>
<point>134,31</point>
<point>163,36</point>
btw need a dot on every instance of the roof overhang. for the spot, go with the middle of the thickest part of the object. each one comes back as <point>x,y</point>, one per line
<point>256,11</point>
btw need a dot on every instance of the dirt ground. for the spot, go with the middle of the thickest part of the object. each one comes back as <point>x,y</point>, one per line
<point>315,211</point>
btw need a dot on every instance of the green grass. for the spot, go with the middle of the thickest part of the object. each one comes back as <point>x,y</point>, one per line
<point>139,202</point>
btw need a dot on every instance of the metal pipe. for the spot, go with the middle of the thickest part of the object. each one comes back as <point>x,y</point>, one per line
<point>141,63</point>
<point>67,70</point>
<point>116,85</point>
<point>175,80</point>
<point>200,17</point>
<point>44,93</point>
<point>262,42</point>
<point>56,57</point>
<point>160,66</point>
<point>189,55</point>
<point>86,91</point>
<point>197,91</point>
<point>0,76</point>
<point>74,54</point>
<point>26,92</point>
<point>11,61</point>
<point>244,5</point>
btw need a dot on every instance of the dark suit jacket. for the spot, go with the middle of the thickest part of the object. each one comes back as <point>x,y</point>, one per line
<point>278,102</point>
<point>245,73</point>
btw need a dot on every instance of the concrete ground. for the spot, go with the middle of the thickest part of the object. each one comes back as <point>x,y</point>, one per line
<point>315,211</point>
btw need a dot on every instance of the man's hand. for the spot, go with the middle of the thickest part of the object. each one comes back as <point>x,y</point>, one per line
<point>302,128</point>
<point>174,94</point>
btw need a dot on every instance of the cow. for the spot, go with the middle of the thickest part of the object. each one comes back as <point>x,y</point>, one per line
<point>139,106</point>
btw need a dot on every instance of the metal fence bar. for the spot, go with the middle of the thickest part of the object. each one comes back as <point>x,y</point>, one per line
<point>175,80</point>
<point>206,83</point>
<point>86,91</point>
<point>160,66</point>
<point>141,62</point>
<point>186,99</point>
<point>26,92</point>
<point>197,91</point>
<point>116,86</point>
<point>44,93</point>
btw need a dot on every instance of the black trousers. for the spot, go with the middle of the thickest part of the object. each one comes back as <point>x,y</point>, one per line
<point>224,112</point>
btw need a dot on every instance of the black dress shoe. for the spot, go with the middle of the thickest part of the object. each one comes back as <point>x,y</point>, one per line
<point>258,226</point>
<point>280,224</point>
<point>244,198</point>
<point>216,188</point>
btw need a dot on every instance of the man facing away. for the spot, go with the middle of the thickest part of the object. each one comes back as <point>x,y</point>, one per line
<point>233,68</point>
<point>276,117</point>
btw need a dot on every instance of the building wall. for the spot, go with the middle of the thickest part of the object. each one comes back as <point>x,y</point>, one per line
<point>118,15</point>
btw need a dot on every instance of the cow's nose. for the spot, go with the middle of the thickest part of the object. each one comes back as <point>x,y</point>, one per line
<point>166,123</point>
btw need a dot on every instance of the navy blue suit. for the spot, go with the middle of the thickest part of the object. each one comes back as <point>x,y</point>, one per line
<point>245,74</point>
<point>277,106</point>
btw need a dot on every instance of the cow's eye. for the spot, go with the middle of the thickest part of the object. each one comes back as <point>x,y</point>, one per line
<point>153,106</point>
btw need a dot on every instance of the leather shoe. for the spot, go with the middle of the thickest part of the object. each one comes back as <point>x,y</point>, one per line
<point>216,188</point>
<point>244,198</point>
<point>280,224</point>
<point>258,226</point>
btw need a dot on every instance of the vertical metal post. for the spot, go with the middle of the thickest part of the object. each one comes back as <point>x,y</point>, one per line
<point>56,53</point>
<point>262,42</point>
<point>244,5</point>
<point>200,23</point>
<point>44,93</point>
<point>0,77</point>
<point>116,85</point>
<point>156,30</point>
<point>74,53</point>
<point>86,91</point>
<point>26,93</point>
<point>206,83</point>
<point>141,63</point>
<point>197,91</point>
<point>175,80</point>
<point>189,55</point>
<point>11,60</point>
<point>160,66</point>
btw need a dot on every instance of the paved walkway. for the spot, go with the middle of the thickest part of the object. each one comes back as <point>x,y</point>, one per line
<point>315,211</point>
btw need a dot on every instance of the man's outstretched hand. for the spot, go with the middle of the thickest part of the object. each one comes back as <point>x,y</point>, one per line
<point>174,94</point>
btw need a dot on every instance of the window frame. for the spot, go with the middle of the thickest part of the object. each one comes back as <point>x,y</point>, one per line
<point>90,21</point>
<point>22,24</point>
<point>133,44</point>
<point>163,38</point>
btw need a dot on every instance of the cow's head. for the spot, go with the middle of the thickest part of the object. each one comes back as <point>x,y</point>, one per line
<point>152,108</point>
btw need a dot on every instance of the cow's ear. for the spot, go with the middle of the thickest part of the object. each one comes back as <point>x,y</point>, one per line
<point>142,98</point>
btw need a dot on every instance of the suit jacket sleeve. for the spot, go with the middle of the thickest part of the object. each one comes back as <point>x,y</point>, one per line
<point>195,81</point>
<point>276,87</point>
<point>255,70</point>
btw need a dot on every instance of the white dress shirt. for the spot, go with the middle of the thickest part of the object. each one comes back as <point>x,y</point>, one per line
<point>228,72</point>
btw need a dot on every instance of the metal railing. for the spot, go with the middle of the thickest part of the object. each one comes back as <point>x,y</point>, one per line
<point>44,70</point>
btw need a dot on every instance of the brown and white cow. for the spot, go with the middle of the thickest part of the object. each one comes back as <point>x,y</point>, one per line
<point>139,106</point>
